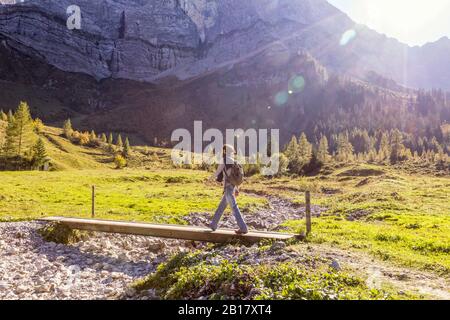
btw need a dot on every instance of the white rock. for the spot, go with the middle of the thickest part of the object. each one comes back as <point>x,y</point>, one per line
<point>123,256</point>
<point>98,266</point>
<point>4,286</point>
<point>130,292</point>
<point>42,289</point>
<point>21,289</point>
<point>335,265</point>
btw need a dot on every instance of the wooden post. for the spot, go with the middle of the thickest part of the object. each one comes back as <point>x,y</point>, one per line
<point>308,212</point>
<point>93,201</point>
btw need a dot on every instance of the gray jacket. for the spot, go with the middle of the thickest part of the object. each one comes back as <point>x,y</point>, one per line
<point>221,168</point>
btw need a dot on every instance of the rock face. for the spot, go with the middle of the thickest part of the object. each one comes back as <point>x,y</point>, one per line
<point>143,39</point>
<point>147,40</point>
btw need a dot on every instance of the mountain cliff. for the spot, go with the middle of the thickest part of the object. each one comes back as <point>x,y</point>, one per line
<point>145,40</point>
<point>169,62</point>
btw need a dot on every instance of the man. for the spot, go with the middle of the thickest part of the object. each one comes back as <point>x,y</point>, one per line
<point>230,191</point>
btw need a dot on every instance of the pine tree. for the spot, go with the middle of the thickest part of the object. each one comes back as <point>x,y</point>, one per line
<point>110,139</point>
<point>344,148</point>
<point>397,147</point>
<point>67,129</point>
<point>103,138</point>
<point>93,136</point>
<point>3,116</point>
<point>24,126</point>
<point>322,152</point>
<point>126,148</point>
<point>119,142</point>
<point>39,153</point>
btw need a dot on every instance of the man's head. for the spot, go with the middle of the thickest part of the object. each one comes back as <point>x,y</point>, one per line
<point>228,151</point>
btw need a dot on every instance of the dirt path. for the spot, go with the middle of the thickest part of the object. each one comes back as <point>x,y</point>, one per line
<point>379,273</point>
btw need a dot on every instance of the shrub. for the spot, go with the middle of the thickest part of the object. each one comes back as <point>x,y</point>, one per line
<point>191,276</point>
<point>120,161</point>
<point>60,233</point>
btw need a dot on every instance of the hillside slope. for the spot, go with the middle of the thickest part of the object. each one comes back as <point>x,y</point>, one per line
<point>66,155</point>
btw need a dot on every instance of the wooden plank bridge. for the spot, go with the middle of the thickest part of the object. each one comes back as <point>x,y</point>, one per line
<point>167,231</point>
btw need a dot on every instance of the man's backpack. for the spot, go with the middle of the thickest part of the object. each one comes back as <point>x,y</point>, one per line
<point>236,176</point>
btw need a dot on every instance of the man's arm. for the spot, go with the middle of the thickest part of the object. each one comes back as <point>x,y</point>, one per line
<point>218,171</point>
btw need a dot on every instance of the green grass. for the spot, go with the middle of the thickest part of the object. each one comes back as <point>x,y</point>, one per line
<point>141,195</point>
<point>67,156</point>
<point>406,220</point>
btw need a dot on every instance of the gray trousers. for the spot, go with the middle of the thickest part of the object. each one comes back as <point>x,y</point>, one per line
<point>229,199</point>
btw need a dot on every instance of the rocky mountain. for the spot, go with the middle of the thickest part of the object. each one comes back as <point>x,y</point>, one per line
<point>145,40</point>
<point>167,62</point>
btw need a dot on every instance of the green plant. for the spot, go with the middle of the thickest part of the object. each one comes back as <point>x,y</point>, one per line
<point>120,161</point>
<point>60,233</point>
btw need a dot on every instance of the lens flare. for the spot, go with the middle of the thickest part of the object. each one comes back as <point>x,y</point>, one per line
<point>347,37</point>
<point>296,84</point>
<point>281,98</point>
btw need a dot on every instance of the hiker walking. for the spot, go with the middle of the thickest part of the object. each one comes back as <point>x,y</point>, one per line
<point>232,175</point>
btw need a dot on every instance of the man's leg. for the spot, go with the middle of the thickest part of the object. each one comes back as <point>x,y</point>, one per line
<point>229,193</point>
<point>219,212</point>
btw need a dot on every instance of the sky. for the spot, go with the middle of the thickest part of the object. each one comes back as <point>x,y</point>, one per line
<point>414,22</point>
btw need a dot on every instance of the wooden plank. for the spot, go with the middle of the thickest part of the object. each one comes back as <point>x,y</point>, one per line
<point>166,231</point>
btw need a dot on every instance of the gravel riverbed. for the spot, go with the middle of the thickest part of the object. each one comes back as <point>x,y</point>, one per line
<point>101,267</point>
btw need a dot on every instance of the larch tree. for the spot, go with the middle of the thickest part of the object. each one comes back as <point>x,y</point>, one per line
<point>344,148</point>
<point>385,148</point>
<point>119,141</point>
<point>24,128</point>
<point>126,148</point>
<point>93,136</point>
<point>67,129</point>
<point>39,153</point>
<point>322,151</point>
<point>3,116</point>
<point>10,115</point>
<point>292,148</point>
<point>304,149</point>
<point>397,147</point>
<point>38,125</point>
<point>10,145</point>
